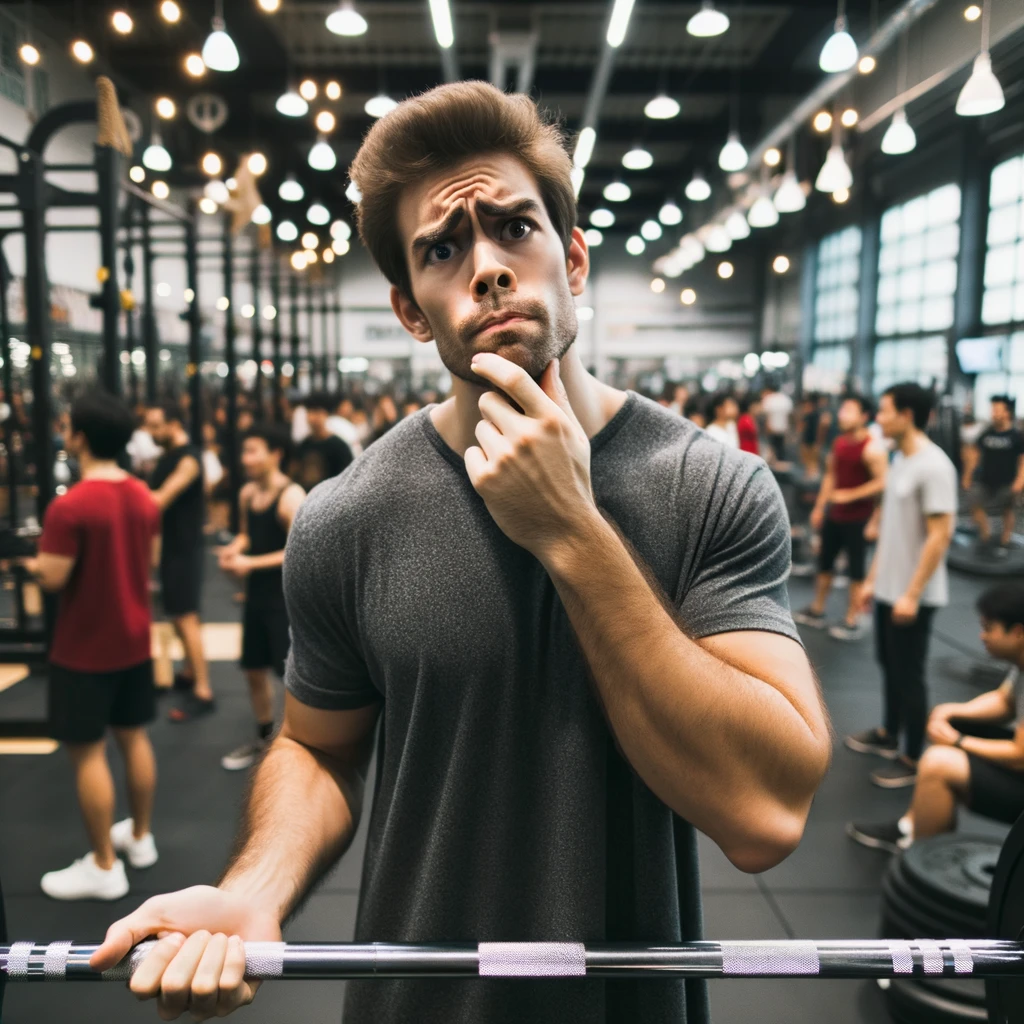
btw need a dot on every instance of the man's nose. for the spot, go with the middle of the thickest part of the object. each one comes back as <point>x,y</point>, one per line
<point>491,273</point>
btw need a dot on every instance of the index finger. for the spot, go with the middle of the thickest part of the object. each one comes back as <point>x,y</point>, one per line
<point>514,381</point>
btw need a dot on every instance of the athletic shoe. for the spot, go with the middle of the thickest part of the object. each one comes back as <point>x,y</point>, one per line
<point>883,836</point>
<point>141,853</point>
<point>191,707</point>
<point>844,631</point>
<point>809,617</point>
<point>183,683</point>
<point>897,775</point>
<point>243,757</point>
<point>86,880</point>
<point>803,569</point>
<point>873,741</point>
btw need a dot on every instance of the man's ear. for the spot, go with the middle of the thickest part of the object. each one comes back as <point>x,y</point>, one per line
<point>577,262</point>
<point>410,315</point>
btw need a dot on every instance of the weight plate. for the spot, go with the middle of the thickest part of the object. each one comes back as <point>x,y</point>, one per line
<point>950,921</point>
<point>1006,921</point>
<point>969,991</point>
<point>912,1003</point>
<point>948,868</point>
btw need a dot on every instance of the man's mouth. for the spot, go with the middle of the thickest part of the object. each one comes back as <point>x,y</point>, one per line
<point>497,325</point>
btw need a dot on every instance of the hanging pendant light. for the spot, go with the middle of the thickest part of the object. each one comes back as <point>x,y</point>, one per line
<point>637,159</point>
<point>670,214</point>
<point>155,156</point>
<point>835,173</point>
<point>346,21</point>
<point>737,227</point>
<point>291,104</point>
<point>717,239</point>
<point>661,108</point>
<point>733,156</point>
<point>697,189</point>
<point>322,157</point>
<point>379,105</point>
<point>790,198</point>
<point>291,190</point>
<point>219,50</point>
<point>840,51</point>
<point>763,213</point>
<point>982,94</point>
<point>708,21</point>
<point>899,136</point>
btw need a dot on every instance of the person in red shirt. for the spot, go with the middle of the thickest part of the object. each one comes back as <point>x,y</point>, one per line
<point>96,549</point>
<point>746,425</point>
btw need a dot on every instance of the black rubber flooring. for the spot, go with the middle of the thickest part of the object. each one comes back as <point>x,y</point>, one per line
<point>829,888</point>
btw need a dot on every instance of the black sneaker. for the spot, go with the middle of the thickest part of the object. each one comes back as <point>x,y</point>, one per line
<point>873,741</point>
<point>897,775</point>
<point>191,707</point>
<point>885,835</point>
<point>809,617</point>
<point>184,683</point>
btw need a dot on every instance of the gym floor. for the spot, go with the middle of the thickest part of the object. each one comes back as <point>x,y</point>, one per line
<point>829,888</point>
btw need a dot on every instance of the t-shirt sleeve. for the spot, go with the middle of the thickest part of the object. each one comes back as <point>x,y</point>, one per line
<point>325,667</point>
<point>61,535</point>
<point>740,583</point>
<point>939,488</point>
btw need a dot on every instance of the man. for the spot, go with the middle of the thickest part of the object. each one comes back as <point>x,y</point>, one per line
<point>854,477</point>
<point>994,473</point>
<point>341,424</point>
<point>810,435</point>
<point>268,504</point>
<point>777,408</point>
<point>559,673</point>
<point>177,485</point>
<point>320,455</point>
<point>95,550</point>
<point>746,425</point>
<point>724,413</point>
<point>976,759</point>
<point>695,410</point>
<point>908,578</point>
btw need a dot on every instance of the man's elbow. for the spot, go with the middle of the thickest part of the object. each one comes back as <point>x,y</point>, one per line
<point>772,843</point>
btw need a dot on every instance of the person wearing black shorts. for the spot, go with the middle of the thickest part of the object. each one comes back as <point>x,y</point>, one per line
<point>268,504</point>
<point>975,753</point>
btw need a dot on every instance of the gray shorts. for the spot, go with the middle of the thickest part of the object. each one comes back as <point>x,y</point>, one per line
<point>994,500</point>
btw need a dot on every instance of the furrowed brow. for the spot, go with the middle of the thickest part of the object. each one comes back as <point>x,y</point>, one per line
<point>430,238</point>
<point>516,208</point>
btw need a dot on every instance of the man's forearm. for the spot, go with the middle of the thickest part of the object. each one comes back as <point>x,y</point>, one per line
<point>300,816</point>
<point>868,490</point>
<point>932,553</point>
<point>1004,752</point>
<point>986,707</point>
<point>268,561</point>
<point>825,493</point>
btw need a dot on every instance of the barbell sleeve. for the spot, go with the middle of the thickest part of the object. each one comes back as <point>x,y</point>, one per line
<point>875,958</point>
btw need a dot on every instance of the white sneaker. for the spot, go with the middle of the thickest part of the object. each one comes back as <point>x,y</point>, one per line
<point>86,880</point>
<point>243,757</point>
<point>141,853</point>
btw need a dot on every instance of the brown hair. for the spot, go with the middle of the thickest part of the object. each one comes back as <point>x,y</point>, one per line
<point>435,131</point>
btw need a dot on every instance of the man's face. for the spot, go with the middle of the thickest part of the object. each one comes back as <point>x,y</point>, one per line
<point>1002,643</point>
<point>1001,418</point>
<point>851,416</point>
<point>257,458</point>
<point>894,424</point>
<point>488,271</point>
<point>317,420</point>
<point>730,410</point>
<point>156,425</point>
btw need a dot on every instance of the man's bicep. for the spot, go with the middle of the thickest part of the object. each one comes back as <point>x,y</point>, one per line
<point>345,736</point>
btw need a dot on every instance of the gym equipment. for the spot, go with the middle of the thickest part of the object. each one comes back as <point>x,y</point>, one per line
<point>964,556</point>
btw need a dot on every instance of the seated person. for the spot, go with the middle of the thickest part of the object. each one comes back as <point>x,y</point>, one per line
<point>976,758</point>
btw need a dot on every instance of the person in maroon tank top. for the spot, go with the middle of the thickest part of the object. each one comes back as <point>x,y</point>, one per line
<point>854,477</point>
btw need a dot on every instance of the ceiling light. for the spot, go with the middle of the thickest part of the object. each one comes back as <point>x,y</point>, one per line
<point>269,312</point>
<point>341,246</point>
<point>318,214</point>
<point>248,311</point>
<point>982,93</point>
<point>717,239</point>
<point>635,245</point>
<point>310,255</point>
<point>287,231</point>
<point>217,191</point>
<point>840,51</point>
<point>307,90</point>
<point>584,147</point>
<point>602,218</point>
<point>736,225</point>
<point>835,172</point>
<point>780,264</point>
<point>866,65</point>
<point>160,189</point>
<point>81,51</point>
<point>163,289</point>
<point>189,294</point>
<point>298,260</point>
<point>972,13</point>
<point>379,105</point>
<point>593,237</point>
<point>29,54</point>
<point>849,117</point>
<point>790,198</point>
<point>651,230</point>
<point>353,194</point>
<point>687,296</point>
<point>322,157</point>
<point>327,255</point>
<point>637,159</point>
<point>661,108</point>
<point>212,164</point>
<point>122,22</point>
<point>763,213</point>
<point>899,137</point>
<point>207,205</point>
<point>616,192</point>
<point>658,285</point>
<point>698,189</point>
<point>772,157</point>
<point>219,50</point>
<point>291,104</point>
<point>822,121</point>
<point>290,190</point>
<point>165,108</point>
<point>170,12</point>
<point>725,270</point>
<point>841,195</point>
<point>325,121</point>
<point>257,163</point>
<point>332,90</point>
<point>310,240</point>
<point>155,157</point>
<point>619,22</point>
<point>346,21</point>
<point>670,214</point>
<point>270,6</point>
<point>584,312</point>
<point>137,174</point>
<point>194,65</point>
<point>341,229</point>
<point>733,156</point>
<point>441,15</point>
<point>262,214</point>
<point>708,21</point>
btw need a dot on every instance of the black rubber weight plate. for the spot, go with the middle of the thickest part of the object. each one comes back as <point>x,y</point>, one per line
<point>954,869</point>
<point>911,1003</point>
<point>1006,921</point>
<point>944,919</point>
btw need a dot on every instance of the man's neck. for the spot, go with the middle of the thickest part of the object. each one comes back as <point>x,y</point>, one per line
<point>319,434</point>
<point>913,441</point>
<point>269,481</point>
<point>593,403</point>
<point>857,434</point>
<point>179,438</point>
<point>99,469</point>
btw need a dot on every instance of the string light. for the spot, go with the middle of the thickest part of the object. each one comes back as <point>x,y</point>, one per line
<point>298,260</point>
<point>658,285</point>
<point>687,296</point>
<point>29,54</point>
<point>725,270</point>
<point>327,255</point>
<point>194,65</point>
<point>822,121</point>
<point>972,13</point>
<point>780,264</point>
<point>81,51</point>
<point>270,6</point>
<point>307,90</point>
<point>849,117</point>
<point>165,108</point>
<point>257,163</point>
<point>867,65</point>
<point>309,240</point>
<point>160,189</point>
<point>137,174</point>
<point>772,157</point>
<point>325,121</point>
<point>207,205</point>
<point>212,164</point>
<point>170,12</point>
<point>332,90</point>
<point>122,22</point>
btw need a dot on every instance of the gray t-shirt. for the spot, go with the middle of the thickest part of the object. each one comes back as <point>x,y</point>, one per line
<point>1013,686</point>
<point>502,810</point>
<point>917,487</point>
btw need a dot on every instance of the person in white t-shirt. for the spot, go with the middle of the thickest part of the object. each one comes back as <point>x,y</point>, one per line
<point>343,427</point>
<point>724,413</point>
<point>777,409</point>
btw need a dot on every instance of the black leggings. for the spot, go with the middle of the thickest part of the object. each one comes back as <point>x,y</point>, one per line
<point>902,652</point>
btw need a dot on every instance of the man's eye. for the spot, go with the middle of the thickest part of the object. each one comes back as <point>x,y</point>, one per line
<point>439,253</point>
<point>517,229</point>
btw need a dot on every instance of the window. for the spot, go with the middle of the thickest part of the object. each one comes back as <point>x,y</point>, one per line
<point>924,360</point>
<point>1003,300</point>
<point>1010,381</point>
<point>836,299</point>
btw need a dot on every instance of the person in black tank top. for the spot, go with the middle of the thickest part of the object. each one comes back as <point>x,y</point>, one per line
<point>268,504</point>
